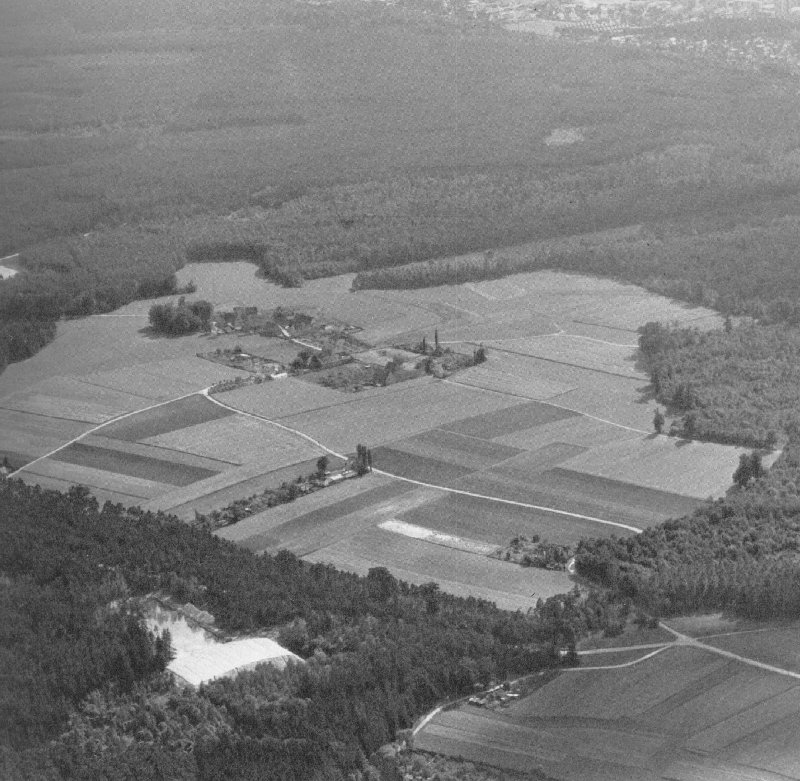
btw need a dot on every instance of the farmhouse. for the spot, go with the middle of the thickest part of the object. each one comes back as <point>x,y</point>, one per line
<point>224,660</point>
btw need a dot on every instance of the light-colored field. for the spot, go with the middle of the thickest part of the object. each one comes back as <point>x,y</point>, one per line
<point>164,379</point>
<point>458,572</point>
<point>280,398</point>
<point>68,397</point>
<point>75,474</point>
<point>682,714</point>
<point>239,439</point>
<point>511,374</point>
<point>577,351</point>
<point>400,411</point>
<point>698,469</point>
<point>24,437</point>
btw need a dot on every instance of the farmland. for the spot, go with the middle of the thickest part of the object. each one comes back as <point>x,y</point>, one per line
<point>682,714</point>
<point>564,432</point>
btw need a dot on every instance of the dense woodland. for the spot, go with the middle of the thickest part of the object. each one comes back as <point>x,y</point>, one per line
<point>740,385</point>
<point>738,554</point>
<point>379,652</point>
<point>401,233</point>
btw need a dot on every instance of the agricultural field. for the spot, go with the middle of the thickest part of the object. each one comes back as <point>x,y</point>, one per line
<point>420,561</point>
<point>238,439</point>
<point>254,532</point>
<point>281,398</point>
<point>574,492</point>
<point>24,436</point>
<point>775,645</point>
<point>683,714</point>
<point>162,419</point>
<point>384,416</point>
<point>73,399</point>
<point>698,469</point>
<point>601,356</point>
<point>498,523</point>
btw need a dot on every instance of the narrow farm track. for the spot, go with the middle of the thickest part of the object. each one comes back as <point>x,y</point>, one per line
<point>423,484</point>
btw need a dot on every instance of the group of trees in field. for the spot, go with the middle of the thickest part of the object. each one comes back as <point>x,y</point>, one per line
<point>378,652</point>
<point>181,318</point>
<point>736,385</point>
<point>78,277</point>
<point>737,554</point>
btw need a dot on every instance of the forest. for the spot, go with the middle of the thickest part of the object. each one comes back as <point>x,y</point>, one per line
<point>84,697</point>
<point>739,385</point>
<point>737,554</point>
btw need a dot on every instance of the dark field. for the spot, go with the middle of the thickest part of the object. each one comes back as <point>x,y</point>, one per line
<point>318,519</point>
<point>508,421</point>
<point>168,417</point>
<point>467,452</point>
<point>415,467</point>
<point>584,494</point>
<point>132,464</point>
<point>482,519</point>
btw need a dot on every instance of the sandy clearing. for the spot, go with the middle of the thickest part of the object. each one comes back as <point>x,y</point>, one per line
<point>438,538</point>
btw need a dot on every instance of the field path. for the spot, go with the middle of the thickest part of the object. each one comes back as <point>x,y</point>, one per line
<point>422,484</point>
<point>97,428</point>
<point>682,639</point>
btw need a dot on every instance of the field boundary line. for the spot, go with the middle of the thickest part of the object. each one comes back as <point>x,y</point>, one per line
<point>564,363</point>
<point>447,489</point>
<point>553,404</point>
<point>97,428</point>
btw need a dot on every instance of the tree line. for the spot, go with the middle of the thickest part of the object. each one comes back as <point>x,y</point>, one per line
<point>736,554</point>
<point>83,697</point>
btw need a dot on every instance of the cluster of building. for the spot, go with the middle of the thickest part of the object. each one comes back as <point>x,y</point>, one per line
<point>753,52</point>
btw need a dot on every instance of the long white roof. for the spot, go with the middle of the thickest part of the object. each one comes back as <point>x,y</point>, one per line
<point>222,660</point>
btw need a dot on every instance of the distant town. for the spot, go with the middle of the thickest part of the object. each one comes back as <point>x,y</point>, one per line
<point>710,29</point>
